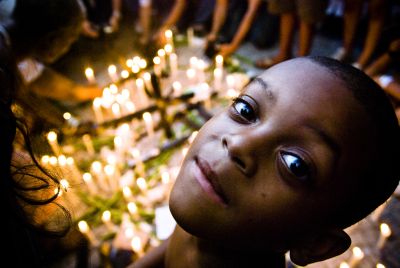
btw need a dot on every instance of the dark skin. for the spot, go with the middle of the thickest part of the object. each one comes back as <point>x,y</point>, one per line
<point>264,176</point>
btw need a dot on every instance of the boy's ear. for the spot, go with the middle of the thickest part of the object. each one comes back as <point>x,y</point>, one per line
<point>320,247</point>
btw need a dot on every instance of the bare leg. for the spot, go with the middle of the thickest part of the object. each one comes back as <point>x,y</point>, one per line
<point>306,36</point>
<point>377,11</point>
<point>145,21</point>
<point>352,13</point>
<point>288,22</point>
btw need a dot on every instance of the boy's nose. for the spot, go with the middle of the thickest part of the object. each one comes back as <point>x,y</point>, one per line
<point>240,153</point>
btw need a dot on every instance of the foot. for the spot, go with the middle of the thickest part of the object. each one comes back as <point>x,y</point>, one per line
<point>265,63</point>
<point>342,54</point>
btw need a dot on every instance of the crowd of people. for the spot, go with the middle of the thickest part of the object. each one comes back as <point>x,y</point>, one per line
<point>313,167</point>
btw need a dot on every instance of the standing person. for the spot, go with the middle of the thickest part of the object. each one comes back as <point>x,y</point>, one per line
<point>101,15</point>
<point>292,12</point>
<point>377,10</point>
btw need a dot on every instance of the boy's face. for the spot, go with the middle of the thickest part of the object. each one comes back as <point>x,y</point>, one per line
<point>275,164</point>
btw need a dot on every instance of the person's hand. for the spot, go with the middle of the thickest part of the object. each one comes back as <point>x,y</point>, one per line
<point>226,50</point>
<point>159,37</point>
<point>88,30</point>
<point>86,93</point>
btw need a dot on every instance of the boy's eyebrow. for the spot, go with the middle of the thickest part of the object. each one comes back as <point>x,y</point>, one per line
<point>264,86</point>
<point>326,138</point>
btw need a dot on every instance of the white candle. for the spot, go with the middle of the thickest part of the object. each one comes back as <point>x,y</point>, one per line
<point>173,61</point>
<point>148,120</point>
<point>357,256</point>
<point>116,110</point>
<point>90,75</point>
<point>106,218</point>
<point>127,192</point>
<point>191,75</point>
<point>84,229</point>
<point>385,233</point>
<point>344,265</point>
<point>133,210</point>
<point>190,35</point>
<point>380,265</point>
<point>97,169</point>
<point>97,102</point>
<point>218,79</point>
<point>157,66</point>
<point>112,72</point>
<point>169,38</point>
<point>142,63</point>
<point>74,169</point>
<point>137,246</point>
<point>142,184</point>
<point>87,141</point>
<point>219,62</point>
<point>138,161</point>
<point>161,55</point>
<point>87,178</point>
<point>140,88</point>
<point>52,139</point>
<point>177,87</point>
<point>124,74</point>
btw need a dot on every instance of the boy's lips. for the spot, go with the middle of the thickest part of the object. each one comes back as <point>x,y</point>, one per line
<point>208,180</point>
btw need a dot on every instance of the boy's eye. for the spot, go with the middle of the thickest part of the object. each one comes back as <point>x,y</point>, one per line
<point>296,165</point>
<point>244,109</point>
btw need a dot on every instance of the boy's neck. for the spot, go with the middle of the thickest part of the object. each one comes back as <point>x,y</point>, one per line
<point>211,254</point>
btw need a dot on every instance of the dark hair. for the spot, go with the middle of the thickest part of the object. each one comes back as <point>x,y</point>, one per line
<point>35,20</point>
<point>22,185</point>
<point>382,176</point>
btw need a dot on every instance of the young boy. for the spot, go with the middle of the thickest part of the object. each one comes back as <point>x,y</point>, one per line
<point>309,148</point>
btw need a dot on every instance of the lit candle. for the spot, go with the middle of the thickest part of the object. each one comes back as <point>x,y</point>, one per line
<point>90,75</point>
<point>52,139</point>
<point>112,72</point>
<point>124,74</point>
<point>136,245</point>
<point>140,88</point>
<point>142,63</point>
<point>217,79</point>
<point>157,66</point>
<point>97,102</point>
<point>161,55</point>
<point>87,141</point>
<point>357,256</point>
<point>344,265</point>
<point>84,229</point>
<point>177,87</point>
<point>148,120</point>
<point>191,74</point>
<point>110,171</point>
<point>138,162</point>
<point>380,265</point>
<point>133,210</point>
<point>87,178</point>
<point>169,38</point>
<point>74,169</point>
<point>127,192</point>
<point>116,110</point>
<point>97,169</point>
<point>168,49</point>
<point>219,62</point>
<point>385,233</point>
<point>106,218</point>
<point>173,63</point>
<point>190,35</point>
<point>142,184</point>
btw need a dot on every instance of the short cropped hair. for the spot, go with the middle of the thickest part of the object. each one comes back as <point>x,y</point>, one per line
<point>381,178</point>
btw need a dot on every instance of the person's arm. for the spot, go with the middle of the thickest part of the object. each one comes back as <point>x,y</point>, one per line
<point>227,49</point>
<point>172,19</point>
<point>153,259</point>
<point>54,85</point>
<point>219,16</point>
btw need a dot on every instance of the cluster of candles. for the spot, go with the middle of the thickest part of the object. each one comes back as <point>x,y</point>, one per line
<point>358,254</point>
